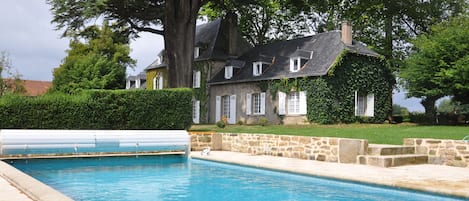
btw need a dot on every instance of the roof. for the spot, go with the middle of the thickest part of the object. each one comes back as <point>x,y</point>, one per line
<point>34,87</point>
<point>320,50</point>
<point>212,40</point>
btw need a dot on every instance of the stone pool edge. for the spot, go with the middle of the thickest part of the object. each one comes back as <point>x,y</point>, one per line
<point>265,162</point>
<point>30,186</point>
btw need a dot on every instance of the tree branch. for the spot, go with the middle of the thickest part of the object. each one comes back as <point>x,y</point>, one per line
<point>146,29</point>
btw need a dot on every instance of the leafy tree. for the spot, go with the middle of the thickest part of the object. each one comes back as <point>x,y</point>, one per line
<point>178,18</point>
<point>261,21</point>
<point>13,84</point>
<point>98,63</point>
<point>399,110</point>
<point>439,66</point>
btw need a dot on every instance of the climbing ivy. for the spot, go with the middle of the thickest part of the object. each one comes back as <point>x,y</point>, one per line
<point>331,98</point>
<point>201,93</point>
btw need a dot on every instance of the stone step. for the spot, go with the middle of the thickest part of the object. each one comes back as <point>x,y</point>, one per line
<point>393,160</point>
<point>385,150</point>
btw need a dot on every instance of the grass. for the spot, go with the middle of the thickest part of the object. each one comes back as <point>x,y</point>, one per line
<point>375,133</point>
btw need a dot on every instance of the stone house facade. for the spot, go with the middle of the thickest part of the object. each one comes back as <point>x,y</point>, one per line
<point>276,82</point>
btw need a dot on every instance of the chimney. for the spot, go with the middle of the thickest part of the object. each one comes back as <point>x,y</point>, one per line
<point>232,23</point>
<point>347,32</point>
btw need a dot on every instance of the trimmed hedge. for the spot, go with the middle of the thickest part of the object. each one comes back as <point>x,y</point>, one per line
<point>100,109</point>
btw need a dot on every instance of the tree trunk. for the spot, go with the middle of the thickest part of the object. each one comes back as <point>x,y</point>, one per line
<point>179,39</point>
<point>388,30</point>
<point>430,109</point>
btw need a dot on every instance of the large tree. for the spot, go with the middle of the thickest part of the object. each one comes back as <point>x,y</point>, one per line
<point>261,21</point>
<point>175,20</point>
<point>439,65</point>
<point>99,62</point>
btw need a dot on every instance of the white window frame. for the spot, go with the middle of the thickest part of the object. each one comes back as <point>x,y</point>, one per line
<point>196,52</point>
<point>155,83</point>
<point>196,79</point>
<point>255,103</point>
<point>295,67</point>
<point>158,82</point>
<point>225,110</point>
<point>257,68</point>
<point>228,72</point>
<point>196,111</point>
<point>364,104</point>
<point>297,107</point>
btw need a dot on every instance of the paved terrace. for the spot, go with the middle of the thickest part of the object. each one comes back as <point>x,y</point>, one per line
<point>431,178</point>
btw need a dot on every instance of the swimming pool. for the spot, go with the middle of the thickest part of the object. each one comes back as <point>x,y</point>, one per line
<point>177,178</point>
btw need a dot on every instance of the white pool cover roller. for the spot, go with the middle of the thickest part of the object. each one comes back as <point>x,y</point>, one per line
<point>37,142</point>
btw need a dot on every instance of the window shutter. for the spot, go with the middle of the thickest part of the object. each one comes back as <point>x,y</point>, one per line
<point>303,104</point>
<point>196,79</point>
<point>154,83</point>
<point>281,103</point>
<point>196,109</point>
<point>232,119</point>
<point>160,82</point>
<point>217,108</point>
<point>356,103</point>
<point>248,104</point>
<point>262,103</point>
<point>370,105</point>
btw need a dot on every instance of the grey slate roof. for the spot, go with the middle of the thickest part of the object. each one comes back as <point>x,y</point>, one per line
<point>211,40</point>
<point>325,47</point>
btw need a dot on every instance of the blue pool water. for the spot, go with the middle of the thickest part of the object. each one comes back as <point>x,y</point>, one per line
<point>166,178</point>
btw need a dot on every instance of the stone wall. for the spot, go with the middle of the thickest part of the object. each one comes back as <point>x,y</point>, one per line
<point>442,152</point>
<point>339,150</point>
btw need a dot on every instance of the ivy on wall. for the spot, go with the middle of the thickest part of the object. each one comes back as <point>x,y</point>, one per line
<point>201,93</point>
<point>331,98</point>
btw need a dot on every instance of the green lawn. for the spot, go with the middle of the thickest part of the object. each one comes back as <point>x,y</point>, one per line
<point>375,133</point>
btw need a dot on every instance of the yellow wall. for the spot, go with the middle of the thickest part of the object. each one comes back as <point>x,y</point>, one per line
<point>152,74</point>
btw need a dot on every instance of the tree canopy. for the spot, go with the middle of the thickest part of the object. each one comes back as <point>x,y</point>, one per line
<point>99,62</point>
<point>439,65</point>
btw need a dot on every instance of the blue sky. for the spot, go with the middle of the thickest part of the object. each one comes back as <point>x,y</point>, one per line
<point>35,48</point>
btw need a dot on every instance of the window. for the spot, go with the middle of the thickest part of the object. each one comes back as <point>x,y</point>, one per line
<point>364,104</point>
<point>195,111</point>
<point>196,79</point>
<point>196,52</point>
<point>295,64</point>
<point>228,72</point>
<point>226,107</point>
<point>293,103</point>
<point>158,82</point>
<point>256,103</point>
<point>257,68</point>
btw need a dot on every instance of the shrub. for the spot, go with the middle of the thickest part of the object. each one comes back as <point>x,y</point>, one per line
<point>263,121</point>
<point>221,124</point>
<point>100,109</point>
<point>240,122</point>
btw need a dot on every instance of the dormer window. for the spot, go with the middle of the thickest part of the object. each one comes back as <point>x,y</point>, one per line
<point>296,63</point>
<point>258,68</point>
<point>228,72</point>
<point>196,52</point>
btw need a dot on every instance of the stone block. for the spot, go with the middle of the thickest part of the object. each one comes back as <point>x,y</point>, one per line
<point>321,157</point>
<point>421,150</point>
<point>217,142</point>
<point>349,149</point>
<point>333,141</point>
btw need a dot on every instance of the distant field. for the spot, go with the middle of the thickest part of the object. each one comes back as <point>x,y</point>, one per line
<point>375,133</point>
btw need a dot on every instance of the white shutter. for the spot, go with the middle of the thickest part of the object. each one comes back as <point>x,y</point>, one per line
<point>370,105</point>
<point>196,79</point>
<point>232,119</point>
<point>137,83</point>
<point>356,103</point>
<point>303,102</point>
<point>248,104</point>
<point>262,103</point>
<point>281,103</point>
<point>160,82</point>
<point>154,83</point>
<point>217,108</point>
<point>196,110</point>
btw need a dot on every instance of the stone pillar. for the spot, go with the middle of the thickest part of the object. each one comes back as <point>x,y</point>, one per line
<point>349,149</point>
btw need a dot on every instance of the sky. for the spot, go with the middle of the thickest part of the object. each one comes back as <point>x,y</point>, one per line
<point>36,48</point>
